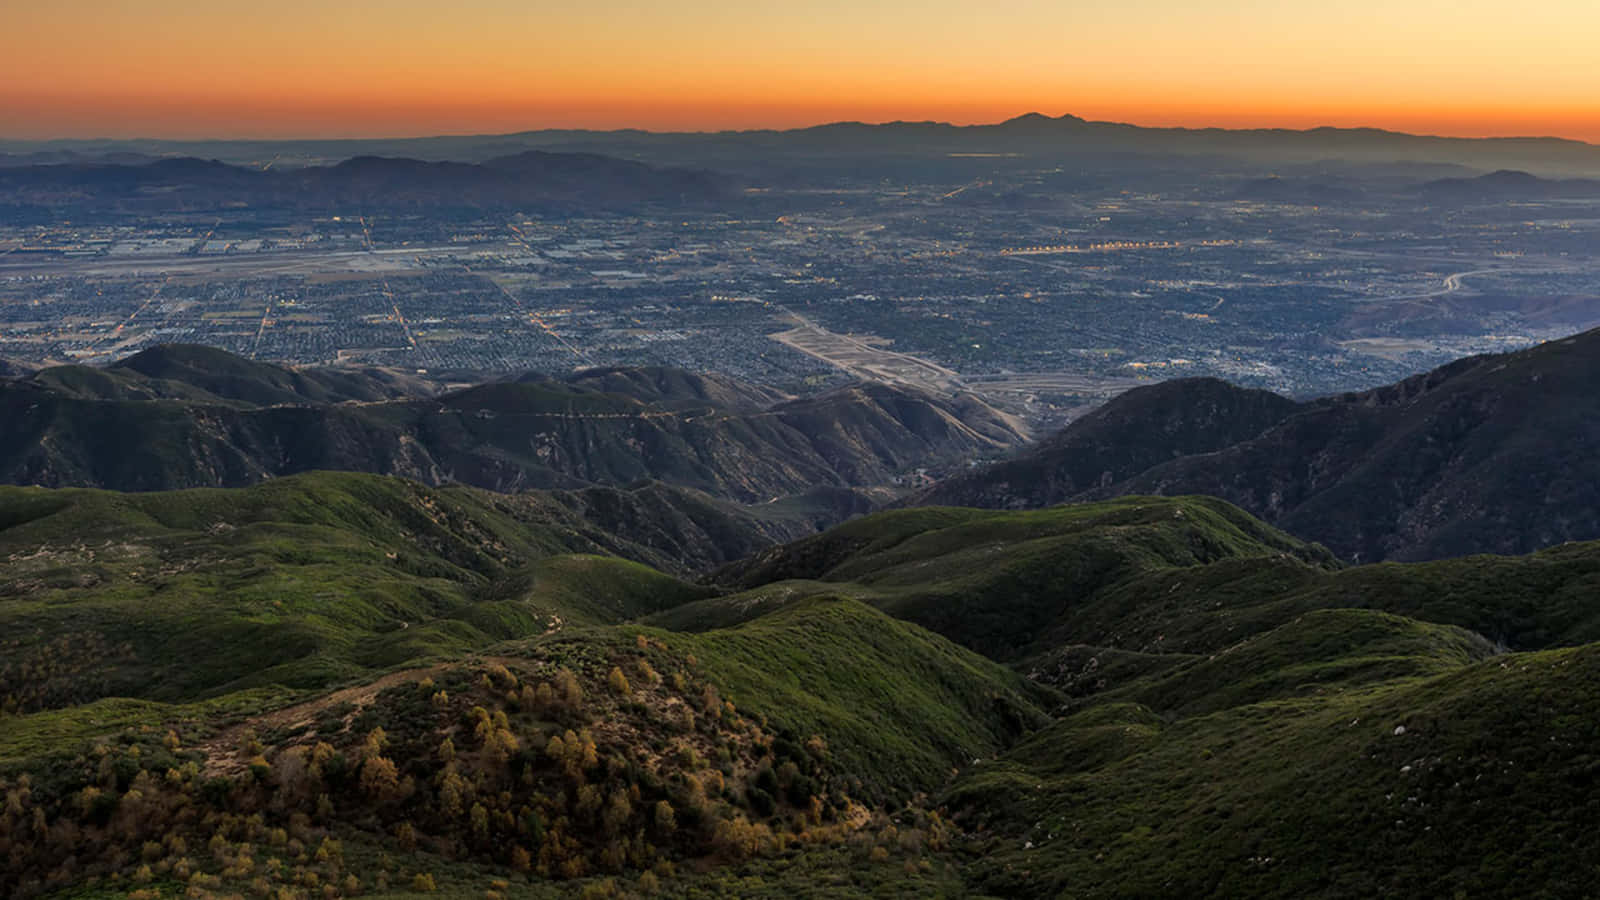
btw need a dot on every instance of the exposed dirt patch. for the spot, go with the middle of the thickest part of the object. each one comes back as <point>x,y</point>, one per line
<point>225,754</point>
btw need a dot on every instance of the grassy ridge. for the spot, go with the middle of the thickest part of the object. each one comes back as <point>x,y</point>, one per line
<point>1143,575</point>
<point>1010,584</point>
<point>1245,719</point>
<point>901,707</point>
<point>1322,651</point>
<point>1234,714</point>
<point>301,582</point>
<point>1475,782</point>
<point>594,751</point>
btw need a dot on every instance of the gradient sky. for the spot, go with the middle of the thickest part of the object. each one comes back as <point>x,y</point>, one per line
<point>302,68</point>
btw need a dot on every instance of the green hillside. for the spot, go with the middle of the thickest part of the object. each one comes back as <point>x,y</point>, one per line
<point>1232,700</point>
<point>341,685</point>
<point>301,582</point>
<point>899,705</point>
<point>1008,584</point>
<point>1476,782</point>
<point>576,755</point>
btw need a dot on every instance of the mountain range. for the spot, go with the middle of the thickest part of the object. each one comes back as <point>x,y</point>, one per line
<point>1033,134</point>
<point>1485,455</point>
<point>528,180</point>
<point>179,416</point>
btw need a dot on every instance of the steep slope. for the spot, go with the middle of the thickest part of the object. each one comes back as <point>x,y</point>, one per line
<point>1491,454</point>
<point>1469,782</point>
<point>869,430</point>
<point>1133,432</point>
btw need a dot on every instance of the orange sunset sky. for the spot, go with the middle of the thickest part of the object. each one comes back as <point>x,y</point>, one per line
<point>304,68</point>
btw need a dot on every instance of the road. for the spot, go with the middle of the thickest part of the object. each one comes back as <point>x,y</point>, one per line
<point>1451,284</point>
<point>533,317</point>
<point>394,304</point>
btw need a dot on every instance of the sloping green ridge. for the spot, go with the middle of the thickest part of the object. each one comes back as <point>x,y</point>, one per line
<point>1476,782</point>
<point>1240,738</point>
<point>1009,584</point>
<point>1322,651</point>
<point>1229,719</point>
<point>302,582</point>
<point>898,705</point>
<point>772,729</point>
<point>1142,575</point>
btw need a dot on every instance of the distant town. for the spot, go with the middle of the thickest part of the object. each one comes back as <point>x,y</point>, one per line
<point>1038,296</point>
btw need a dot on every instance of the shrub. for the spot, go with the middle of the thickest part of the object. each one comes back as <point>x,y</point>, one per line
<point>761,802</point>
<point>618,682</point>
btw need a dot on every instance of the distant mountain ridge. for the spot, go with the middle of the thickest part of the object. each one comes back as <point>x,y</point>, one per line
<point>531,179</point>
<point>1032,133</point>
<point>204,374</point>
<point>1490,454</point>
<point>1507,184</point>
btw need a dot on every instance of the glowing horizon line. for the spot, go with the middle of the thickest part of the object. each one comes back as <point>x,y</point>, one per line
<point>955,124</point>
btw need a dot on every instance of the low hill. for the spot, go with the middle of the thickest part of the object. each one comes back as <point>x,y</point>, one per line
<point>1507,185</point>
<point>1491,454</point>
